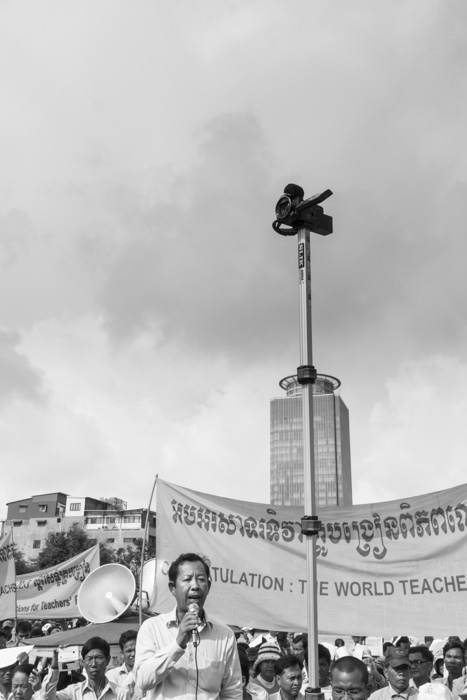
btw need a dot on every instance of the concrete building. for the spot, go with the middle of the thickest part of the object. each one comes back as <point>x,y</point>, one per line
<point>105,520</point>
<point>333,476</point>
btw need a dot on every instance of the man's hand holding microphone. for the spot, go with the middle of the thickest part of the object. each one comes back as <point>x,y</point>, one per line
<point>188,628</point>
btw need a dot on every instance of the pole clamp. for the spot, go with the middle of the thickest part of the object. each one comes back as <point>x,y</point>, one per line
<point>306,374</point>
<point>310,525</point>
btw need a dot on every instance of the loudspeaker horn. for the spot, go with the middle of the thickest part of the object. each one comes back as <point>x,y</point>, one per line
<point>106,593</point>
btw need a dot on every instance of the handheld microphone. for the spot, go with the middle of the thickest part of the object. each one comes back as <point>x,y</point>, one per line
<point>194,608</point>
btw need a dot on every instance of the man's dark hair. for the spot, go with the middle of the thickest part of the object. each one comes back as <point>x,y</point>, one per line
<point>27,669</point>
<point>424,651</point>
<point>4,633</point>
<point>285,662</point>
<point>127,636</point>
<point>95,643</point>
<point>339,642</point>
<point>349,664</point>
<point>303,638</point>
<point>244,664</point>
<point>386,645</point>
<point>23,626</point>
<point>190,556</point>
<point>324,653</point>
<point>402,640</point>
<point>453,645</point>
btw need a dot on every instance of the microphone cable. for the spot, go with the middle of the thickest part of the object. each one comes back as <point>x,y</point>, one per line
<point>196,667</point>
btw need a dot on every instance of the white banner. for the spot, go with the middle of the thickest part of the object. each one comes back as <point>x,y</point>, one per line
<point>7,578</point>
<point>53,592</point>
<point>384,569</point>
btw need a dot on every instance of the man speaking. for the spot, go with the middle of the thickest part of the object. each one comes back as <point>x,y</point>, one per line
<point>182,654</point>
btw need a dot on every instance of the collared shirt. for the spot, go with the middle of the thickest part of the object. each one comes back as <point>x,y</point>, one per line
<point>82,691</point>
<point>389,693</point>
<point>206,672</point>
<point>124,678</point>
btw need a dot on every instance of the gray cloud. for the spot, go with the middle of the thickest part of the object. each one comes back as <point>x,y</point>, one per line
<point>18,377</point>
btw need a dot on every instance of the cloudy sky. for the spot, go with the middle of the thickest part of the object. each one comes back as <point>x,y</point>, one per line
<point>148,310</point>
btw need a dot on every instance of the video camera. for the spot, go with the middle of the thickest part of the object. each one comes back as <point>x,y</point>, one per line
<point>294,211</point>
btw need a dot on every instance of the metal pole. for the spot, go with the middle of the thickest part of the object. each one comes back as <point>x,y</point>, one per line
<point>143,551</point>
<point>306,360</point>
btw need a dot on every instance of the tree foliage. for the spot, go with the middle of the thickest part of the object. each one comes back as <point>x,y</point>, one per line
<point>22,566</point>
<point>60,546</point>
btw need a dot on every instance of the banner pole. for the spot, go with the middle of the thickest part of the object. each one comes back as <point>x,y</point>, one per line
<point>143,552</point>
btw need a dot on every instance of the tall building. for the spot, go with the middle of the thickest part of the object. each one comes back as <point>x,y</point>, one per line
<point>333,477</point>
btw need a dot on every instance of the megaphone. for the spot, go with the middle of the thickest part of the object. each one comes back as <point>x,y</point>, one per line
<point>106,593</point>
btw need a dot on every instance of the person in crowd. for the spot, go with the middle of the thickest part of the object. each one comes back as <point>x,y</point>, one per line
<point>283,642</point>
<point>96,657</point>
<point>403,643</point>
<point>8,626</point>
<point>263,669</point>
<point>25,683</point>
<point>376,677</point>
<point>3,639</point>
<point>300,650</point>
<point>123,675</point>
<point>324,666</point>
<point>386,646</point>
<point>23,631</point>
<point>349,679</point>
<point>339,642</point>
<point>438,666</point>
<point>454,662</point>
<point>421,666</point>
<point>36,629</point>
<point>397,670</point>
<point>183,652</point>
<point>288,670</point>
<point>251,691</point>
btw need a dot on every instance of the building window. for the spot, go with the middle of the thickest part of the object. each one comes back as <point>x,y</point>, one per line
<point>110,540</point>
<point>129,540</point>
<point>41,523</point>
<point>17,523</point>
<point>43,508</point>
<point>36,544</point>
<point>75,506</point>
<point>59,520</point>
<point>23,509</point>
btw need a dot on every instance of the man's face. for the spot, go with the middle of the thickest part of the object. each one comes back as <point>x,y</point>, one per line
<point>20,687</point>
<point>266,670</point>
<point>290,681</point>
<point>128,653</point>
<point>323,671</point>
<point>454,662</point>
<point>348,683</point>
<point>96,663</point>
<point>405,646</point>
<point>420,668</point>
<point>298,650</point>
<point>399,677</point>
<point>9,632</point>
<point>191,585</point>
<point>22,636</point>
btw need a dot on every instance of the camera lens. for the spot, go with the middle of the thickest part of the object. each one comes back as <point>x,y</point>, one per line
<point>283,207</point>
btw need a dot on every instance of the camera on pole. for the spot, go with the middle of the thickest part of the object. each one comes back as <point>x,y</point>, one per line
<point>295,211</point>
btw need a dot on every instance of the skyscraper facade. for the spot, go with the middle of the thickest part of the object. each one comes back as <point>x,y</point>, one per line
<point>333,476</point>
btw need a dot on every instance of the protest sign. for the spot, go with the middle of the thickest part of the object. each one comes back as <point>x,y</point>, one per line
<point>7,578</point>
<point>53,592</point>
<point>382,568</point>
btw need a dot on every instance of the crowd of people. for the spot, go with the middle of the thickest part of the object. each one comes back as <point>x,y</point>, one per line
<point>184,654</point>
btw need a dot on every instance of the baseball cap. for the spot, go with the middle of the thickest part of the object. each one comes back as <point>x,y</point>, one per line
<point>8,623</point>
<point>396,657</point>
